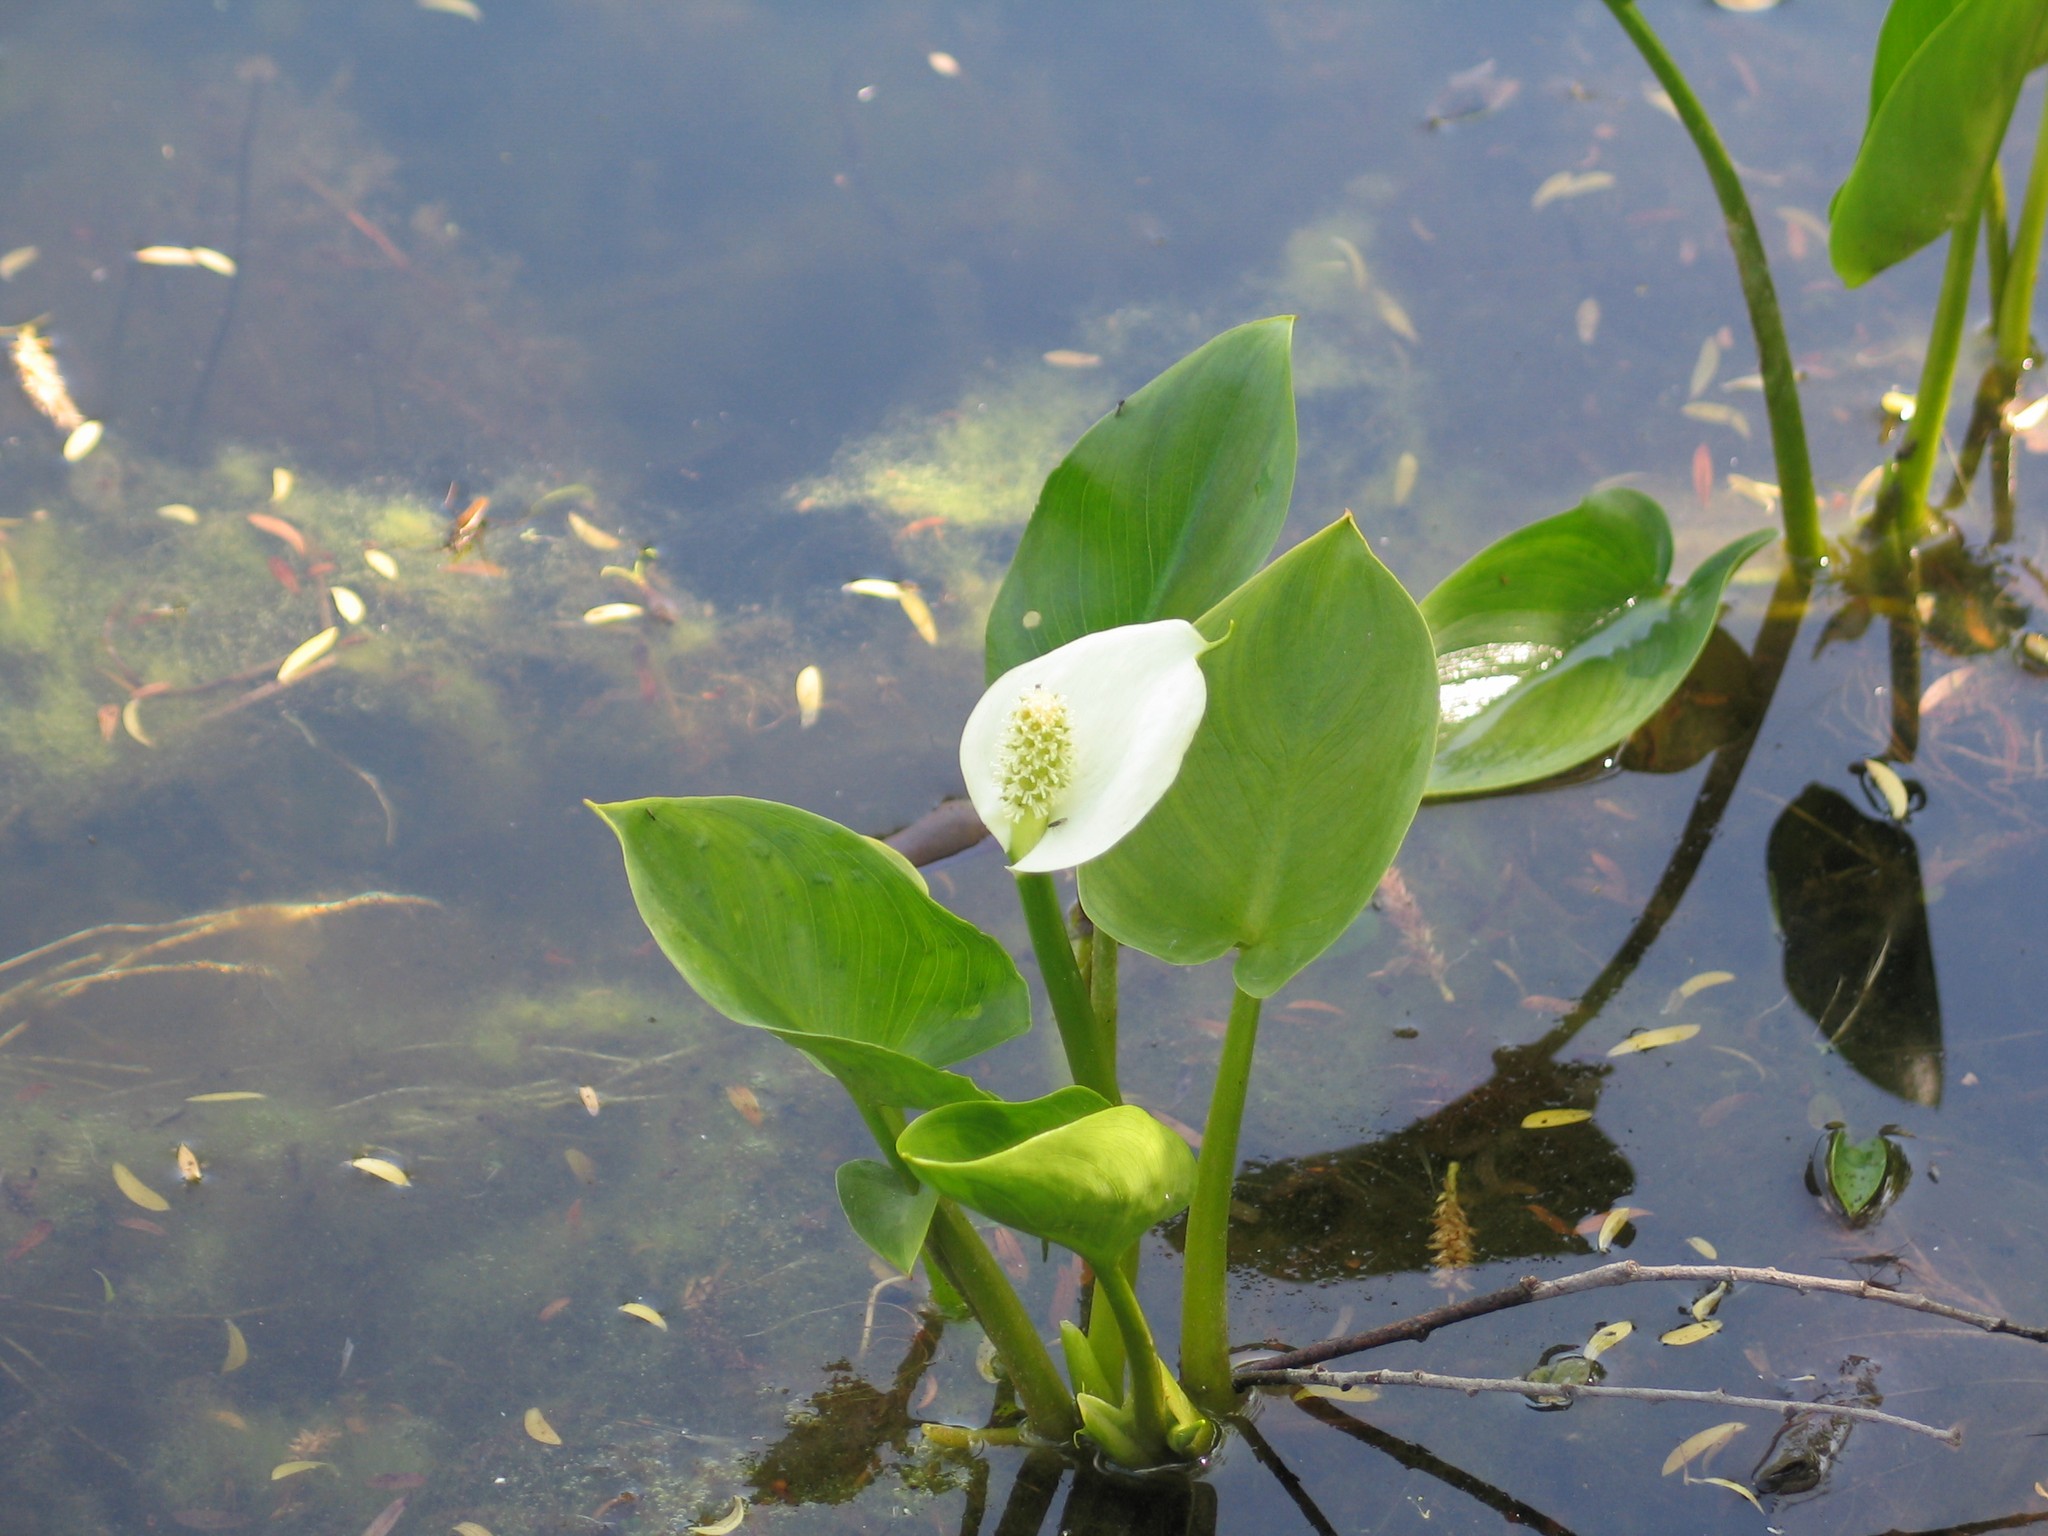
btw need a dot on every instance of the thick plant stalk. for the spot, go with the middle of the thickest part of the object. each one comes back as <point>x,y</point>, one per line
<point>1204,1320</point>
<point>2016,299</point>
<point>1781,385</point>
<point>1902,506</point>
<point>1147,1401</point>
<point>1092,1065</point>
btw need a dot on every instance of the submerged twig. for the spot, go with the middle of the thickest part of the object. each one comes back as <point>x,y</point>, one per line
<point>1627,1272</point>
<point>1550,1389</point>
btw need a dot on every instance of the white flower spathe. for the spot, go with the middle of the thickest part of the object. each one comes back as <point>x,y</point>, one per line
<point>1064,755</point>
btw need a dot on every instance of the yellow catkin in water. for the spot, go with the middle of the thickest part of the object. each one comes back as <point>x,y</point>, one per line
<point>41,380</point>
<point>1452,1243</point>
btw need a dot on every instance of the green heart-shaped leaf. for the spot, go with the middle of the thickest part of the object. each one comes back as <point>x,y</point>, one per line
<point>1947,76</point>
<point>1069,1167</point>
<point>1301,780</point>
<point>787,921</point>
<point>1163,506</point>
<point>884,1214</point>
<point>1560,639</point>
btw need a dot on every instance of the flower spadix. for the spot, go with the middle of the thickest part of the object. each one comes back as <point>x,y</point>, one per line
<point>1066,753</point>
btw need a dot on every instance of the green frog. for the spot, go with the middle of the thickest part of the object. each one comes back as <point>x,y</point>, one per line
<point>1804,1450</point>
<point>1858,1180</point>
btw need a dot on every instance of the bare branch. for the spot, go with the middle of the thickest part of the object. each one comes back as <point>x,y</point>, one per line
<point>1552,1389</point>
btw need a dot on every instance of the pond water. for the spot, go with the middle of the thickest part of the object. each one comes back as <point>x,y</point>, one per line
<point>789,295</point>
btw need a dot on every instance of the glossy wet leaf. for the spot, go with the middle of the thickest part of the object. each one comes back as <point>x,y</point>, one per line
<point>1557,641</point>
<point>884,1214</point>
<point>1068,1168</point>
<point>1693,1447</point>
<point>1301,780</point>
<point>1164,505</point>
<point>1942,90</point>
<point>789,922</point>
<point>538,1428</point>
<point>1606,1338</point>
<point>1859,953</point>
<point>1654,1039</point>
<point>1551,1119</point>
<point>1691,1333</point>
<point>136,1190</point>
<point>382,1168</point>
<point>238,1351</point>
<point>646,1314</point>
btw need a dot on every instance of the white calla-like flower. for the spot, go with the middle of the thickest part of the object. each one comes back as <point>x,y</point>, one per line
<point>1064,755</point>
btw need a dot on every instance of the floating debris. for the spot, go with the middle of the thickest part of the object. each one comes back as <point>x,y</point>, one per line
<point>281,482</point>
<point>232,1096</point>
<point>1654,1039</point>
<point>538,1428</point>
<point>1704,367</point>
<point>36,366</point>
<point>1693,1447</point>
<point>1471,93</point>
<point>580,1164</point>
<point>285,1469</point>
<point>726,1524</point>
<point>1612,1223</point>
<point>382,563</point>
<point>1722,1482</point>
<point>1720,415</point>
<point>238,1350</point>
<point>1452,1242</point>
<point>1691,1333</point>
<point>348,604</point>
<point>646,1314</point>
<point>469,1528</point>
<point>468,10</point>
<point>1406,470</point>
<point>1710,1301</point>
<point>1606,1338</point>
<point>943,64</point>
<point>278,528</point>
<point>178,512</point>
<point>83,439</point>
<point>382,1168</point>
<point>1551,1119</point>
<point>1568,184</point>
<point>188,1165</point>
<point>17,261</point>
<point>131,722</point>
<point>1586,319</point>
<point>131,1186</point>
<point>1066,357</point>
<point>1893,788</point>
<point>593,535</point>
<point>296,664</point>
<point>810,696</point>
<point>1703,1248</point>
<point>614,613</point>
<point>589,1097</point>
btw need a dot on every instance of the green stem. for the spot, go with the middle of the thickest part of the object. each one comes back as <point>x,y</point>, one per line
<point>1904,508</point>
<point>1774,354</point>
<point>1997,242</point>
<point>1148,1402</point>
<point>1204,1318</point>
<point>2016,302</point>
<point>1102,987</point>
<point>955,1251</point>
<point>1091,1065</point>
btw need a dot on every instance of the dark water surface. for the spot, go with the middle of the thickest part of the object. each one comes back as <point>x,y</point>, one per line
<point>777,290</point>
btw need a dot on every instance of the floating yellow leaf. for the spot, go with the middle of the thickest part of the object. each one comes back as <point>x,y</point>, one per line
<point>188,1164</point>
<point>17,261</point>
<point>178,512</point>
<point>382,1168</point>
<point>1612,1223</point>
<point>233,1096</point>
<point>1703,1248</point>
<point>380,562</point>
<point>307,653</point>
<point>1338,1394</point>
<point>590,1099</point>
<point>469,1528</point>
<point>1704,367</point>
<point>1707,1305</point>
<point>1569,184</point>
<point>873,586</point>
<point>1691,1333</point>
<point>917,611</point>
<point>1067,357</point>
<point>1652,1039</point>
<point>810,696</point>
<point>1406,469</point>
<point>1606,1338</point>
<point>281,482</point>
<point>238,1351</point>
<point>613,613</point>
<point>646,1314</point>
<point>1692,986</point>
<point>167,256</point>
<point>1693,1447</point>
<point>580,1164</point>
<point>83,439</point>
<point>348,604</point>
<point>1890,785</point>
<point>726,1524</point>
<point>214,261</point>
<point>136,1190</point>
<point>1720,415</point>
<point>538,1428</point>
<point>131,722</point>
<point>593,535</point>
<point>1723,1482</point>
<point>1587,321</point>
<point>285,1469</point>
<point>1550,1119</point>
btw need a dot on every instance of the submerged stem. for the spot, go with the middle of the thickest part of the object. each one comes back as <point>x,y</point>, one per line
<point>1204,1321</point>
<point>1092,1066</point>
<point>1774,354</point>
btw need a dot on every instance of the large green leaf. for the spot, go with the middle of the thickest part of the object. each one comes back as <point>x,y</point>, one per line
<point>1069,1167</point>
<point>1559,640</point>
<point>787,921</point>
<point>1164,505</point>
<point>1301,781</point>
<point>887,1215</point>
<point>1947,75</point>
